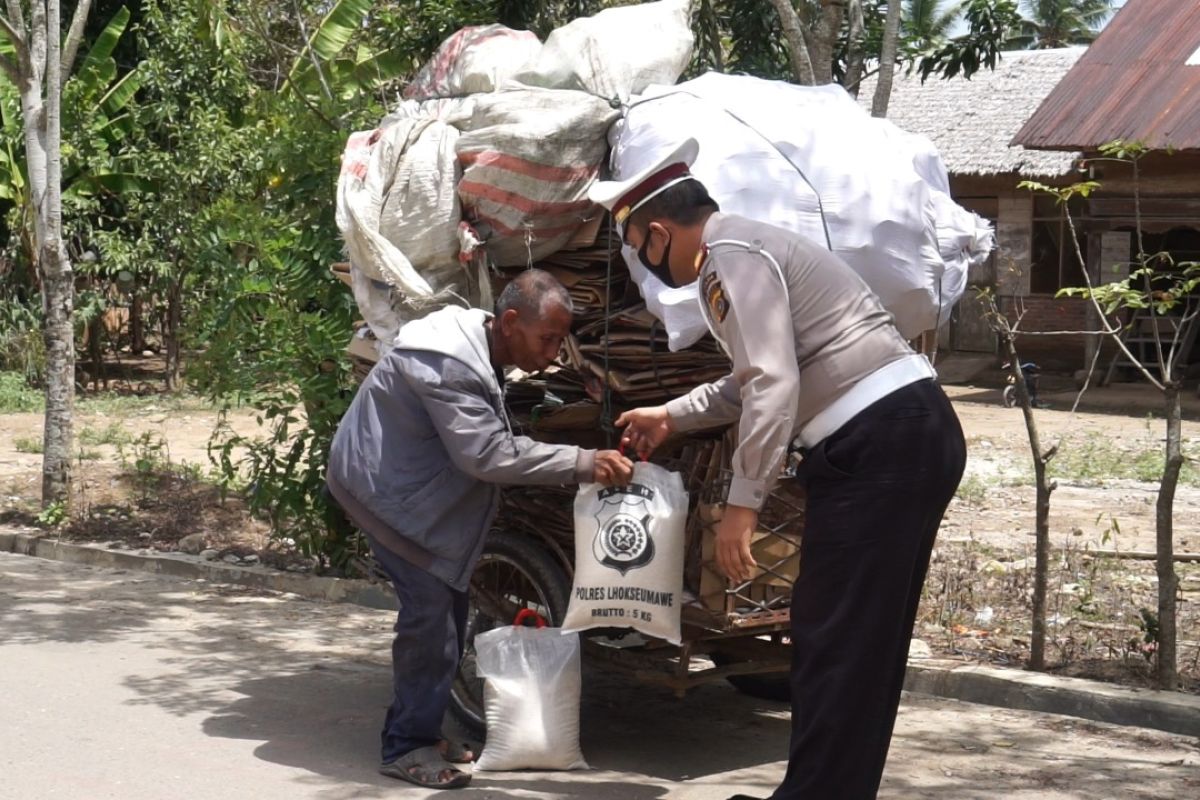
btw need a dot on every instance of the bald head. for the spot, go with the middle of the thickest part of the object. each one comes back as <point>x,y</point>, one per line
<point>533,294</point>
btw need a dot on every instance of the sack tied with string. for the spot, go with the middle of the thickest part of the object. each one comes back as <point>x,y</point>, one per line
<point>629,550</point>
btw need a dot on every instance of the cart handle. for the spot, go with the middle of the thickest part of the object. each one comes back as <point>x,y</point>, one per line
<point>526,614</point>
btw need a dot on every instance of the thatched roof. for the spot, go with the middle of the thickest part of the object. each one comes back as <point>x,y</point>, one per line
<point>972,121</point>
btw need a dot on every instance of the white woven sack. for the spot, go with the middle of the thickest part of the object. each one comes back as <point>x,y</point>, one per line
<point>531,696</point>
<point>810,160</point>
<point>618,52</point>
<point>474,59</point>
<point>629,548</point>
<point>528,157</point>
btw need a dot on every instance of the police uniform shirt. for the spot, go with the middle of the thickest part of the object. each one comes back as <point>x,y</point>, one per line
<point>801,328</point>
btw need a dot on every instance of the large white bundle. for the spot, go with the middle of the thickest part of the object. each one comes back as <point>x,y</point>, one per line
<point>629,547</point>
<point>478,58</point>
<point>810,160</point>
<point>618,52</point>
<point>409,243</point>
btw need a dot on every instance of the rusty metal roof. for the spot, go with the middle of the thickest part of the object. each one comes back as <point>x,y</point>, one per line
<point>1140,80</point>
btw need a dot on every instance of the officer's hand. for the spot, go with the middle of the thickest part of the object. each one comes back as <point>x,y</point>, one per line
<point>645,429</point>
<point>612,469</point>
<point>734,530</point>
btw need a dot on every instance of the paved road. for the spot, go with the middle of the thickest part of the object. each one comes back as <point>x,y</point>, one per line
<point>121,685</point>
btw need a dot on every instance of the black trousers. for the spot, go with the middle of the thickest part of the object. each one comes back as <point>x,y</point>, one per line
<point>877,490</point>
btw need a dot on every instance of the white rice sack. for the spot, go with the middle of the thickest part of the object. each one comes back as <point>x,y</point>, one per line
<point>531,698</point>
<point>629,548</point>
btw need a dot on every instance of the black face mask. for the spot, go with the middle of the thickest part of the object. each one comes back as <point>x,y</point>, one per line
<point>661,270</point>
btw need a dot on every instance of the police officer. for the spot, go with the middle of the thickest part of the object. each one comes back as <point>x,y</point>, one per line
<point>818,361</point>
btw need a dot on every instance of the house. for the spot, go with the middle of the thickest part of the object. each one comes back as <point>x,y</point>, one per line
<point>972,123</point>
<point>1139,81</point>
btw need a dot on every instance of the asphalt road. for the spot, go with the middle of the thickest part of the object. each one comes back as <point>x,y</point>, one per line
<point>123,685</point>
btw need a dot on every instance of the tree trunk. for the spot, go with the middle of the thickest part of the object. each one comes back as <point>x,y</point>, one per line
<point>855,56</point>
<point>887,61</point>
<point>824,40</point>
<point>1041,567</point>
<point>137,324</point>
<point>797,45</point>
<point>1166,673</point>
<point>174,369</point>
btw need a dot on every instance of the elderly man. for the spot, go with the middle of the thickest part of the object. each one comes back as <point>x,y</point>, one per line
<point>816,359</point>
<point>417,464</point>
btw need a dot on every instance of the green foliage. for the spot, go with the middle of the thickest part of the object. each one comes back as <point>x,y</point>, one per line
<point>113,433</point>
<point>989,23</point>
<point>1059,23</point>
<point>1096,460</point>
<point>972,490</point>
<point>16,396</point>
<point>22,349</point>
<point>54,514</point>
<point>28,444</point>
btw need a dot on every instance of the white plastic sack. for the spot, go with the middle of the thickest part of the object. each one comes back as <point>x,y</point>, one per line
<point>528,157</point>
<point>475,59</point>
<point>618,52</point>
<point>808,159</point>
<point>629,548</point>
<point>531,698</point>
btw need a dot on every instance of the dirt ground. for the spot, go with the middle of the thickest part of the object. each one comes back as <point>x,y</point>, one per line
<point>976,603</point>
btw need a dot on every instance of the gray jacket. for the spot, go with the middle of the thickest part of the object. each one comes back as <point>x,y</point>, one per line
<point>426,445</point>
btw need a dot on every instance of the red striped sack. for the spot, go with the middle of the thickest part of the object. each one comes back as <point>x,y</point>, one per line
<point>528,157</point>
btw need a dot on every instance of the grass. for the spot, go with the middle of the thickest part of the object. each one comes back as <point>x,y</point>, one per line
<point>1097,460</point>
<point>118,405</point>
<point>16,396</point>
<point>28,444</point>
<point>113,434</point>
<point>972,490</point>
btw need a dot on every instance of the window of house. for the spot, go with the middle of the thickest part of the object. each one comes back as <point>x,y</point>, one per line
<point>1054,263</point>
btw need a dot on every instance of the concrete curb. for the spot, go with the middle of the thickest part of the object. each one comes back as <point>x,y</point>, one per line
<point>313,587</point>
<point>1008,688</point>
<point>1173,712</point>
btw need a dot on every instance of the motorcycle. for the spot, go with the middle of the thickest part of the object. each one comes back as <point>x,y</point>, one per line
<point>1031,371</point>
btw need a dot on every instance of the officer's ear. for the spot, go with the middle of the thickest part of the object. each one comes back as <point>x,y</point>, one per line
<point>662,230</point>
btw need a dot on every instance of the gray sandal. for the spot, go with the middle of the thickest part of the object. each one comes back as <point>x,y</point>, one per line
<point>426,767</point>
<point>456,752</point>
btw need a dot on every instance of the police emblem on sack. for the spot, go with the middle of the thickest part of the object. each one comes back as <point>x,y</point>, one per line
<point>623,540</point>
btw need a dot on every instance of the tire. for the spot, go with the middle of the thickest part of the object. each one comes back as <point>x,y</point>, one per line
<point>762,687</point>
<point>517,572</point>
<point>1010,396</point>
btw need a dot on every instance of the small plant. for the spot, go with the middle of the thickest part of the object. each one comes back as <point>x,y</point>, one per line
<point>1148,625</point>
<point>972,490</point>
<point>16,396</point>
<point>53,515</point>
<point>28,444</point>
<point>147,458</point>
<point>113,434</point>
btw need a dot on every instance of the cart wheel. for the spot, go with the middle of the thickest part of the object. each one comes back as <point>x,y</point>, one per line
<point>513,573</point>
<point>763,687</point>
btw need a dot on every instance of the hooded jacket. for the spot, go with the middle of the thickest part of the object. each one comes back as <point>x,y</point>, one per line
<point>426,446</point>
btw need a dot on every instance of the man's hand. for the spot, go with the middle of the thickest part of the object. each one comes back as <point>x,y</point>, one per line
<point>734,530</point>
<point>645,429</point>
<point>612,468</point>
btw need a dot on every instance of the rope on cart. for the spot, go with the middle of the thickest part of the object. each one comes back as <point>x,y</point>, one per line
<point>606,416</point>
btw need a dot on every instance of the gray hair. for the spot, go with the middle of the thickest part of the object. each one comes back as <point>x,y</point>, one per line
<point>533,292</point>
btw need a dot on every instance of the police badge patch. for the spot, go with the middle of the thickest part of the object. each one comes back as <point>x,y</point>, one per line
<point>714,295</point>
<point>623,540</point>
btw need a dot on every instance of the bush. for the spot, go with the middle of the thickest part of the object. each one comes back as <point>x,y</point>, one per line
<point>16,396</point>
